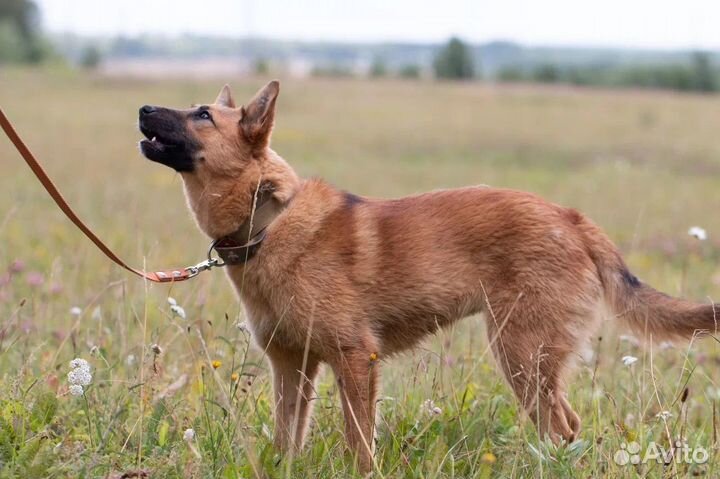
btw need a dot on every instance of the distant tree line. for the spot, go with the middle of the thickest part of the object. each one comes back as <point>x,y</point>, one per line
<point>696,75</point>
<point>20,38</point>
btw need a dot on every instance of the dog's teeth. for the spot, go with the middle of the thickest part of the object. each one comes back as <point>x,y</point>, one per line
<point>154,138</point>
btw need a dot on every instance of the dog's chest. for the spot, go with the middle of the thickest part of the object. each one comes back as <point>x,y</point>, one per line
<point>268,320</point>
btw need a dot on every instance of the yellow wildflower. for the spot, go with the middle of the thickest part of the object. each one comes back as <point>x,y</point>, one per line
<point>488,458</point>
<point>216,364</point>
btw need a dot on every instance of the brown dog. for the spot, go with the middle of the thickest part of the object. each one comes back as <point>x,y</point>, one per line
<point>330,277</point>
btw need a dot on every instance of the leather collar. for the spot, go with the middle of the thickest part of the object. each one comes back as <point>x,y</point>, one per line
<point>241,245</point>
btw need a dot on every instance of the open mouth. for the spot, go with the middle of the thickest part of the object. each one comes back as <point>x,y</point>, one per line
<point>155,141</point>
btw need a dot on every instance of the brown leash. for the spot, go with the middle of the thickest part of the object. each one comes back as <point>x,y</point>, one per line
<point>253,231</point>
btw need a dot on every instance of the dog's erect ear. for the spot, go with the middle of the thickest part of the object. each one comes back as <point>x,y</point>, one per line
<point>258,116</point>
<point>225,98</point>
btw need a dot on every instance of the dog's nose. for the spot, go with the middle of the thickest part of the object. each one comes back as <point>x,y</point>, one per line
<point>147,109</point>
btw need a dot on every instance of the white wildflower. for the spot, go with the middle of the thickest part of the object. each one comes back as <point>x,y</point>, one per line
<point>242,326</point>
<point>430,407</point>
<point>156,349</point>
<point>79,376</point>
<point>76,390</point>
<point>189,435</point>
<point>130,360</point>
<point>171,301</point>
<point>178,310</point>
<point>79,363</point>
<point>664,415</point>
<point>629,360</point>
<point>698,233</point>
<point>665,345</point>
<point>76,311</point>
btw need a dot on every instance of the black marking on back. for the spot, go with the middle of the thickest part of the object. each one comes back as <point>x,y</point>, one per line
<point>352,200</point>
<point>630,279</point>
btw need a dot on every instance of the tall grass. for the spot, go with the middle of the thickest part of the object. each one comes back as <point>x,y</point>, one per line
<point>643,165</point>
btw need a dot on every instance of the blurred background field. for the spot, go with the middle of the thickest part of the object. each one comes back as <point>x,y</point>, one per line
<point>644,163</point>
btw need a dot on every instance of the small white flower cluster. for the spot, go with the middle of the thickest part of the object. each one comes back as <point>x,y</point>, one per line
<point>430,407</point>
<point>629,360</point>
<point>176,308</point>
<point>664,415</point>
<point>189,435</point>
<point>698,233</point>
<point>79,376</point>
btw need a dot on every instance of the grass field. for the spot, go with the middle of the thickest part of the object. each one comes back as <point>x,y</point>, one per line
<point>644,165</point>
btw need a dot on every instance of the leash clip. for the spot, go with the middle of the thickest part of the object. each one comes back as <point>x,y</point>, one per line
<point>203,266</point>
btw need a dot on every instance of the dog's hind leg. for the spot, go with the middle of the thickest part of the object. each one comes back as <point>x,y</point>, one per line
<point>535,354</point>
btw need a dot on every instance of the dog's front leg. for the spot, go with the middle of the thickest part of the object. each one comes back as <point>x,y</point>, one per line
<point>294,390</point>
<point>357,373</point>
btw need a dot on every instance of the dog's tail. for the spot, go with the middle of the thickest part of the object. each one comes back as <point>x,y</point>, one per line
<point>648,312</point>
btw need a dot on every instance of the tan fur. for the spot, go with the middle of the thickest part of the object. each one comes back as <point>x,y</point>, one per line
<point>340,279</point>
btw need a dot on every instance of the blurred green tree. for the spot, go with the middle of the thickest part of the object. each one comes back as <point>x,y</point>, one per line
<point>20,39</point>
<point>454,61</point>
<point>262,67</point>
<point>409,71</point>
<point>378,68</point>
<point>90,58</point>
<point>546,73</point>
<point>705,79</point>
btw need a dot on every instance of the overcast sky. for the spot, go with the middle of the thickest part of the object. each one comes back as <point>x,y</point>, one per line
<point>625,23</point>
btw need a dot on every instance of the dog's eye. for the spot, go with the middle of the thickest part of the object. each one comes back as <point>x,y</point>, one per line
<point>204,115</point>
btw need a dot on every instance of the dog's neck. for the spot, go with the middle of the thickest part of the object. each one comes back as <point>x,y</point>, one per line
<point>222,205</point>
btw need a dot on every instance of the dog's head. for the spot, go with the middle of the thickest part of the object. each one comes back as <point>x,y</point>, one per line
<point>209,140</point>
<point>223,154</point>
